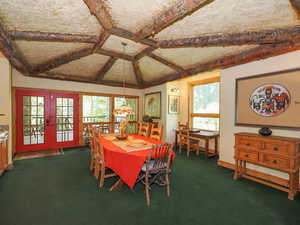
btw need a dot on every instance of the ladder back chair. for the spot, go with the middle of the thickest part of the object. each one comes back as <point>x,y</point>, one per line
<point>157,169</point>
<point>185,140</point>
<point>100,166</point>
<point>156,132</point>
<point>144,129</point>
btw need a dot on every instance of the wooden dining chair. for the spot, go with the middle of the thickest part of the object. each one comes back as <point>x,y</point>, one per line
<point>156,132</point>
<point>91,142</point>
<point>144,129</point>
<point>157,169</point>
<point>185,140</point>
<point>100,165</point>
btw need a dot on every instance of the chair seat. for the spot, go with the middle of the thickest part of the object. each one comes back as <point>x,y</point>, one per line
<point>150,165</point>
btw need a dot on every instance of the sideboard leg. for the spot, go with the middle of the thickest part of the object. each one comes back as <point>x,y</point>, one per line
<point>236,171</point>
<point>292,187</point>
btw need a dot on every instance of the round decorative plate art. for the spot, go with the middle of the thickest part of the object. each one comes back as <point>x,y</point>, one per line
<point>270,100</point>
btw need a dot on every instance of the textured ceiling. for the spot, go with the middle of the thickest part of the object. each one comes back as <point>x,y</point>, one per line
<point>85,46</point>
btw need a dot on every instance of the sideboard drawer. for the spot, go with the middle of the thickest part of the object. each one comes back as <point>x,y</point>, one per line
<point>277,147</point>
<point>248,155</point>
<point>249,142</point>
<point>275,161</point>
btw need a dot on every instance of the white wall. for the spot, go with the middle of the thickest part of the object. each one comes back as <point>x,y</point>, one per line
<point>5,99</point>
<point>227,110</point>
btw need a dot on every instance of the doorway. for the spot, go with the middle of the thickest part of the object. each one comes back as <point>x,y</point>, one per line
<point>46,120</point>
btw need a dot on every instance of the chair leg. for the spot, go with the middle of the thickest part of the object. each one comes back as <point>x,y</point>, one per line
<point>96,170</point>
<point>180,149</point>
<point>102,175</point>
<point>147,189</point>
<point>168,184</point>
<point>92,164</point>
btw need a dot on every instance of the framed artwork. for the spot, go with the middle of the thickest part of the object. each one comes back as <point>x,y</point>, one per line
<point>153,104</point>
<point>173,104</point>
<point>271,100</point>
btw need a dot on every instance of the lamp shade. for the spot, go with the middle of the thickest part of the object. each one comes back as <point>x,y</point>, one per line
<point>124,110</point>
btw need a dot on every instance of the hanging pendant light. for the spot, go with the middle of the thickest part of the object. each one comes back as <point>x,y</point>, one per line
<point>125,109</point>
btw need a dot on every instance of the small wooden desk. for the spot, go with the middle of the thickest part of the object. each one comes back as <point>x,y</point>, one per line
<point>205,135</point>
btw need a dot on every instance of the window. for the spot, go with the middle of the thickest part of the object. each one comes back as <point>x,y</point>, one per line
<point>205,104</point>
<point>96,109</point>
<point>99,110</point>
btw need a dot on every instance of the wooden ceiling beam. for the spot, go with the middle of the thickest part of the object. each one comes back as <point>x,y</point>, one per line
<point>114,54</point>
<point>68,77</point>
<point>138,73</point>
<point>296,6</point>
<point>166,62</point>
<point>177,11</point>
<point>50,36</point>
<point>131,36</point>
<point>256,53</point>
<point>144,52</point>
<point>245,38</point>
<point>62,59</point>
<point>10,51</point>
<point>100,75</point>
<point>99,9</point>
<point>101,40</point>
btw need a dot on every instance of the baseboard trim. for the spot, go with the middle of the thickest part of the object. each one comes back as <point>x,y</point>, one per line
<point>255,173</point>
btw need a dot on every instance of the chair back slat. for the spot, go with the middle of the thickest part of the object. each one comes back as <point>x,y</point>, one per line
<point>144,129</point>
<point>161,155</point>
<point>156,132</point>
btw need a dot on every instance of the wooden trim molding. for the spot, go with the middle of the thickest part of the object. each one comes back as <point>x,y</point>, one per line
<point>209,115</point>
<point>255,173</point>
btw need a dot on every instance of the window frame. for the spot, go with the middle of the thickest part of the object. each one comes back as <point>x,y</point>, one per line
<point>192,115</point>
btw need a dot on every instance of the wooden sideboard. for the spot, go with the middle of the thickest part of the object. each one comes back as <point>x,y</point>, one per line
<point>3,155</point>
<point>275,152</point>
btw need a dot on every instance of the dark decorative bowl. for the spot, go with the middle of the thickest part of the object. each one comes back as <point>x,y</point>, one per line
<point>265,131</point>
<point>121,138</point>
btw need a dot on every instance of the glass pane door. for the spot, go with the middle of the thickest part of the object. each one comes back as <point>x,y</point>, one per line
<point>33,120</point>
<point>65,111</point>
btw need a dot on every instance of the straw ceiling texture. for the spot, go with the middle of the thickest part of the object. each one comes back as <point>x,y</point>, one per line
<point>80,40</point>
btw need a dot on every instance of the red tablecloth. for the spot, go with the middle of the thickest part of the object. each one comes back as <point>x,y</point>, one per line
<point>126,164</point>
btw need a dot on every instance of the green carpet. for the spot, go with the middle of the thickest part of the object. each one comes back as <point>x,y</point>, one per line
<point>61,191</point>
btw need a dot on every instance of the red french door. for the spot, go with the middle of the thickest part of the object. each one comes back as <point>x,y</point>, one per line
<point>46,120</point>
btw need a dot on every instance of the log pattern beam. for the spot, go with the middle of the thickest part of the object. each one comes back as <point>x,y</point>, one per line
<point>49,36</point>
<point>100,75</point>
<point>11,52</point>
<point>245,38</point>
<point>138,73</point>
<point>102,38</point>
<point>144,52</point>
<point>99,9</point>
<point>179,10</point>
<point>131,36</point>
<point>114,54</point>
<point>67,77</point>
<point>166,62</point>
<point>62,59</point>
<point>296,6</point>
<point>256,53</point>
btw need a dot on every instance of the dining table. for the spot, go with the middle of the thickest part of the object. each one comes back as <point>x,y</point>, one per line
<point>127,157</point>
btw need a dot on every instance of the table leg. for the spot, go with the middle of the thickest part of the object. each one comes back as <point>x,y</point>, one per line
<point>236,171</point>
<point>206,148</point>
<point>216,146</point>
<point>176,137</point>
<point>119,183</point>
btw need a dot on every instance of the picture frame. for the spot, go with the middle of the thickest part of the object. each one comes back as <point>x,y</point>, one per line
<point>269,100</point>
<point>173,104</point>
<point>152,105</point>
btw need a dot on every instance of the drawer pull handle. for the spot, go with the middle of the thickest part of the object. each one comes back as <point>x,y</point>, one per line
<point>248,144</point>
<point>274,161</point>
<point>246,155</point>
<point>275,149</point>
